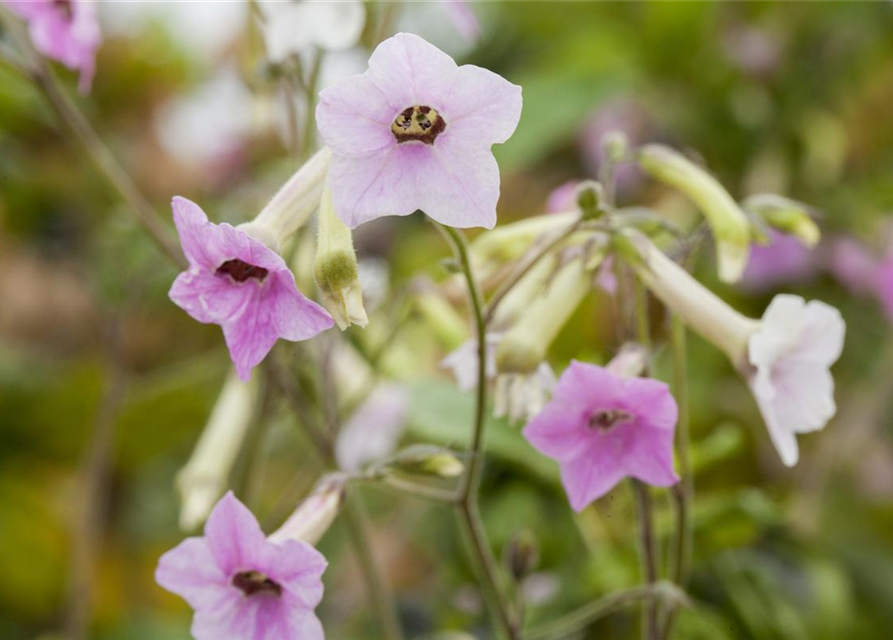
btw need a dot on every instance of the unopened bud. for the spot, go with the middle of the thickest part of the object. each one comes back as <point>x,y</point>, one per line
<point>590,196</point>
<point>428,460</point>
<point>729,224</point>
<point>315,514</point>
<point>522,555</point>
<point>786,215</point>
<point>630,361</point>
<point>335,268</point>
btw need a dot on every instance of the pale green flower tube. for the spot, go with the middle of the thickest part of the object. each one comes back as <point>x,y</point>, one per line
<point>729,224</point>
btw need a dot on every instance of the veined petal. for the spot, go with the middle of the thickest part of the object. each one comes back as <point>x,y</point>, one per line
<point>250,337</point>
<point>482,107</point>
<point>410,71</point>
<point>295,317</point>
<point>354,117</point>
<point>461,184</point>
<point>779,331</point>
<point>371,186</point>
<point>233,534</point>
<point>783,439</point>
<point>190,571</point>
<point>198,236</point>
<point>298,567</point>
<point>804,399</point>
<point>821,340</point>
<point>207,297</point>
<point>653,403</point>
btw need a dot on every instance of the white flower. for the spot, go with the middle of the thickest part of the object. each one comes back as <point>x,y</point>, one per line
<point>463,362</point>
<point>292,27</point>
<point>792,351</point>
<point>374,429</point>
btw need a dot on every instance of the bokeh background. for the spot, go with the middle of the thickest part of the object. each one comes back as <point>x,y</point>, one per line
<point>105,385</point>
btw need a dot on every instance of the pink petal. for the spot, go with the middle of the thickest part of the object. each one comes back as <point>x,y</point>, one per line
<point>197,235</point>
<point>233,535</point>
<point>294,316</point>
<point>304,625</point>
<point>207,297</point>
<point>368,187</point>
<point>410,71</point>
<point>482,107</point>
<point>298,567</point>
<point>251,335</point>
<point>650,456</point>
<point>190,571</point>
<point>355,118</point>
<point>652,401</point>
<point>233,620</point>
<point>588,477</point>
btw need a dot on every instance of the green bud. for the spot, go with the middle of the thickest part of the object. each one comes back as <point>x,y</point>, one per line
<point>729,224</point>
<point>428,460</point>
<point>590,196</point>
<point>335,268</point>
<point>786,215</point>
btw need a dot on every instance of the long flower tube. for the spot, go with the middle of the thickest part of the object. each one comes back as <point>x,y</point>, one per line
<point>785,357</point>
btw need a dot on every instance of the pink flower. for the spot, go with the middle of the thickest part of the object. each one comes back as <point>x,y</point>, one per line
<point>792,352</point>
<point>64,30</point>
<point>883,283</point>
<point>464,20</point>
<point>414,132</point>
<point>241,284</point>
<point>853,265</point>
<point>563,197</point>
<point>243,586</point>
<point>785,260</point>
<point>601,427</point>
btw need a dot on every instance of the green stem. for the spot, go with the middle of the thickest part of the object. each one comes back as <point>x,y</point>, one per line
<point>504,618</point>
<point>648,547</point>
<point>310,116</point>
<point>587,614</point>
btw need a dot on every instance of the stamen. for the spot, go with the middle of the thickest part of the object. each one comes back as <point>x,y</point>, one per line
<point>421,123</point>
<point>252,582</point>
<point>609,418</point>
<point>241,271</point>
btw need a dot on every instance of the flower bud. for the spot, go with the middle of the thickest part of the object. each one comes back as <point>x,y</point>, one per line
<point>428,460</point>
<point>315,514</point>
<point>615,146</point>
<point>697,306</point>
<point>729,224</point>
<point>522,555</point>
<point>293,204</point>
<point>630,361</point>
<point>590,196</point>
<point>335,268</point>
<point>204,478</point>
<point>786,215</point>
<point>524,345</point>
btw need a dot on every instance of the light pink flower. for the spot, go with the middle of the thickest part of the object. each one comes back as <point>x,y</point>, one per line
<point>414,132</point>
<point>241,284</point>
<point>883,284</point>
<point>243,586</point>
<point>785,260</point>
<point>852,264</point>
<point>464,20</point>
<point>374,429</point>
<point>563,197</point>
<point>792,351</point>
<point>601,427</point>
<point>64,30</point>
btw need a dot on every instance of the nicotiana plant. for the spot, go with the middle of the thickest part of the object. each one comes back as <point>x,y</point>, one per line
<point>413,133</point>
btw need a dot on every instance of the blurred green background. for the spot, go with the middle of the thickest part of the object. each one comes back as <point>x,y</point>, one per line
<point>105,385</point>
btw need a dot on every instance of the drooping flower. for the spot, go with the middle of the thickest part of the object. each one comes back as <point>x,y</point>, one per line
<point>238,282</point>
<point>792,352</point>
<point>414,132</point>
<point>64,30</point>
<point>242,585</point>
<point>785,260</point>
<point>785,357</point>
<point>292,27</point>
<point>602,427</point>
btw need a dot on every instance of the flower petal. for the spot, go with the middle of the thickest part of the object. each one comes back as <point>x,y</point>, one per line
<point>206,297</point>
<point>298,567</point>
<point>368,187</point>
<point>233,535</point>
<point>197,235</point>
<point>294,316</point>
<point>650,454</point>
<point>804,396</point>
<point>354,117</point>
<point>482,107</point>
<point>779,330</point>
<point>251,336</point>
<point>461,187</point>
<point>190,571</point>
<point>821,339</point>
<point>410,71</point>
<point>588,477</point>
<point>783,439</point>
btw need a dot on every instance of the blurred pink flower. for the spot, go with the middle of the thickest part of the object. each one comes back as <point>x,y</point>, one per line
<point>602,427</point>
<point>883,284</point>
<point>853,265</point>
<point>563,197</point>
<point>792,352</point>
<point>374,429</point>
<point>464,20</point>
<point>241,284</point>
<point>241,585</point>
<point>414,132</point>
<point>64,30</point>
<point>785,260</point>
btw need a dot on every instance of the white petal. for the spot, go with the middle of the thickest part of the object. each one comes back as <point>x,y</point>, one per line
<point>804,396</point>
<point>779,330</point>
<point>783,439</point>
<point>821,340</point>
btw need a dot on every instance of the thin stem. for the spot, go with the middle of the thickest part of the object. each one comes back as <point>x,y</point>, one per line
<point>415,490</point>
<point>504,619</point>
<point>355,518</point>
<point>529,261</point>
<point>356,522</point>
<point>108,165</point>
<point>682,493</point>
<point>310,115</point>
<point>649,555</point>
<point>589,613</point>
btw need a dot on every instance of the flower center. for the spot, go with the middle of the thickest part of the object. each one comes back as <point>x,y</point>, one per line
<point>420,123</point>
<point>241,271</point>
<point>609,418</point>
<point>251,582</point>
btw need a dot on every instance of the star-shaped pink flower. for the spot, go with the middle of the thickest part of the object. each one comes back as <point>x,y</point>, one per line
<point>64,30</point>
<point>236,281</point>
<point>243,586</point>
<point>414,132</point>
<point>601,427</point>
